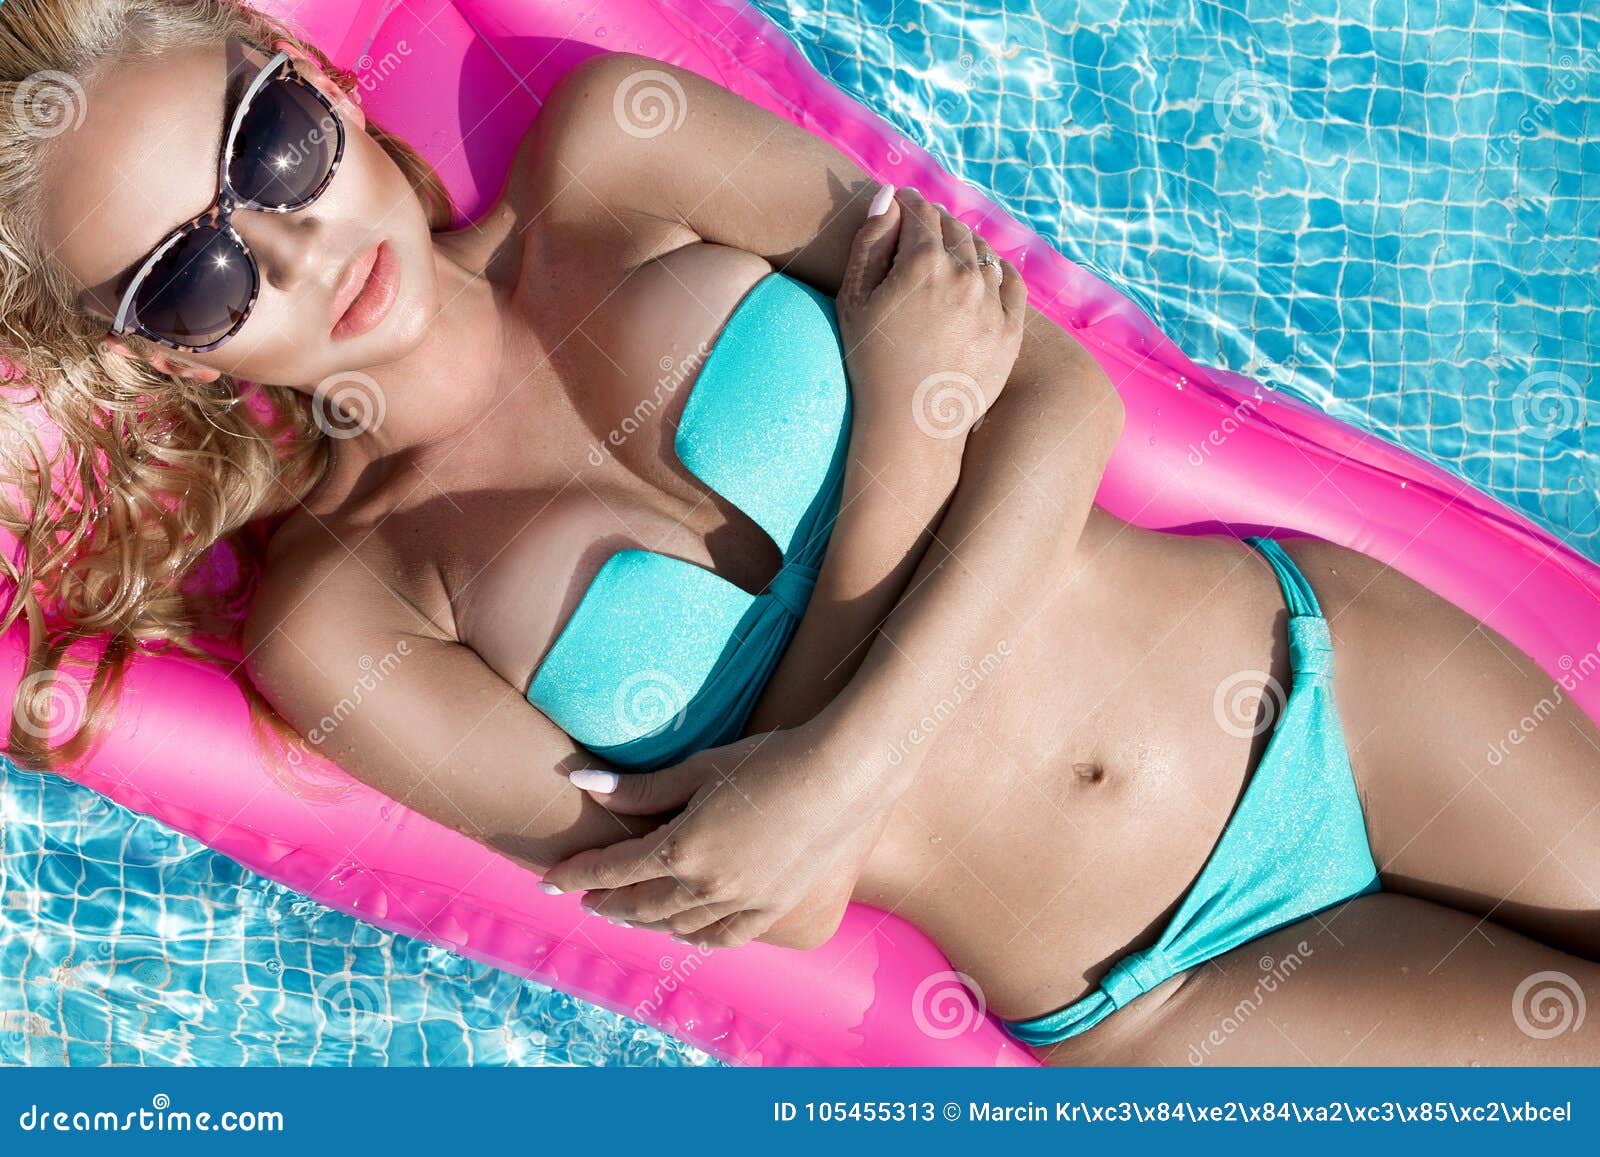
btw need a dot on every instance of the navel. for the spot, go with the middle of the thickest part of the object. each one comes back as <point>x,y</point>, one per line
<point>1089,772</point>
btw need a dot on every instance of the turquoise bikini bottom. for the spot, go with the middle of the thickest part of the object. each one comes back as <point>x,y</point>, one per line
<point>1296,844</point>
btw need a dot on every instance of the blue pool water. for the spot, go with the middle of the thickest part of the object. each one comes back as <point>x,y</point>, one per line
<point>1310,191</point>
<point>1391,207</point>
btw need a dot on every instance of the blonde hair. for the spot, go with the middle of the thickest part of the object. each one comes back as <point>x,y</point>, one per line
<point>119,479</point>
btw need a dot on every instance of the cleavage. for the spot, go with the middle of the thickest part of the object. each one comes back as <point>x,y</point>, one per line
<point>738,550</point>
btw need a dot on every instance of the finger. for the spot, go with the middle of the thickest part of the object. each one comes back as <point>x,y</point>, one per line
<point>1013,293</point>
<point>732,931</point>
<point>989,266</point>
<point>688,924</point>
<point>959,241</point>
<point>920,226</point>
<point>871,254</point>
<point>620,864</point>
<point>646,903</point>
<point>685,924</point>
<point>641,793</point>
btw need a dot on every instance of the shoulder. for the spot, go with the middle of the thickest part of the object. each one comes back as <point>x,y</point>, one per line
<point>627,129</point>
<point>322,602</point>
<point>578,171</point>
<point>612,93</point>
<point>577,136</point>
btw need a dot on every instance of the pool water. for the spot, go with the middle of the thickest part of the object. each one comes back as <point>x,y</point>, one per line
<point>1390,207</point>
<point>1308,191</point>
<point>122,942</point>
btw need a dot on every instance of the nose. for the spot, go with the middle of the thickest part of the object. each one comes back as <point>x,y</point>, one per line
<point>288,247</point>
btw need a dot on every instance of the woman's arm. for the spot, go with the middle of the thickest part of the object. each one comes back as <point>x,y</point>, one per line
<point>1002,550</point>
<point>916,310</point>
<point>729,172</point>
<point>746,178</point>
<point>776,826</point>
<point>378,690</point>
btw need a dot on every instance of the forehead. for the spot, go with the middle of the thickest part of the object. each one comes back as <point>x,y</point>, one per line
<point>143,160</point>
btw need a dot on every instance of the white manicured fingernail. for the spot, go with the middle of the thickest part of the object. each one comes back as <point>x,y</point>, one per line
<point>593,779</point>
<point>880,202</point>
<point>550,889</point>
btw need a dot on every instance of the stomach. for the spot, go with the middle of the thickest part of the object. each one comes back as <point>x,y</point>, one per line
<point>1096,756</point>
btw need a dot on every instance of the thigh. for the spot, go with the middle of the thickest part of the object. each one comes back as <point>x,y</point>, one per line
<point>1397,981</point>
<point>1479,774</point>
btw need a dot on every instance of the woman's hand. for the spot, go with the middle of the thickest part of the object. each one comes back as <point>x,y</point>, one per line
<point>765,822</point>
<point>930,334</point>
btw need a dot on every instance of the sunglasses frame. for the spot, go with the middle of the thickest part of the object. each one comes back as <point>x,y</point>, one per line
<point>227,202</point>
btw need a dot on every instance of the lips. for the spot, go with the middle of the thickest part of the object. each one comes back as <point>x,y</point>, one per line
<point>366,292</point>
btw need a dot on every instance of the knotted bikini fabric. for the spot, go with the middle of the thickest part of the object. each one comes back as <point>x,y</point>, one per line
<point>1296,844</point>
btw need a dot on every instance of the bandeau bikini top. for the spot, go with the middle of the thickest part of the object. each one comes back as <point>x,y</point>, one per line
<point>662,657</point>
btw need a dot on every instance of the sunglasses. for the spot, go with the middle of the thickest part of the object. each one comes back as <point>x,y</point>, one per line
<point>283,144</point>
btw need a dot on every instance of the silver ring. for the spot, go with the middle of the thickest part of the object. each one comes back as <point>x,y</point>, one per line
<point>991,260</point>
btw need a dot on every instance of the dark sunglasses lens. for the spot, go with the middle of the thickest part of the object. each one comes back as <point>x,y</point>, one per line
<point>285,147</point>
<point>198,291</point>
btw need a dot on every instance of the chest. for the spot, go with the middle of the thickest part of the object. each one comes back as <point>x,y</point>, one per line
<point>550,497</point>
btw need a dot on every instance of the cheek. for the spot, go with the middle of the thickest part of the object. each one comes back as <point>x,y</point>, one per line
<point>419,303</point>
<point>286,342</point>
<point>273,347</point>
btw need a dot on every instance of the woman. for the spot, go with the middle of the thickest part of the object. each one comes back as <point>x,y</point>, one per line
<point>590,470</point>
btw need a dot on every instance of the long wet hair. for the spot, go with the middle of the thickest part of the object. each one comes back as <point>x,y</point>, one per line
<point>116,480</point>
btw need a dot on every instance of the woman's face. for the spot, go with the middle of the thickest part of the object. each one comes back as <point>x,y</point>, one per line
<point>144,161</point>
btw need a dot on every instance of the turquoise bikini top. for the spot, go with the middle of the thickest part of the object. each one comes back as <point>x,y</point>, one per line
<point>663,658</point>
